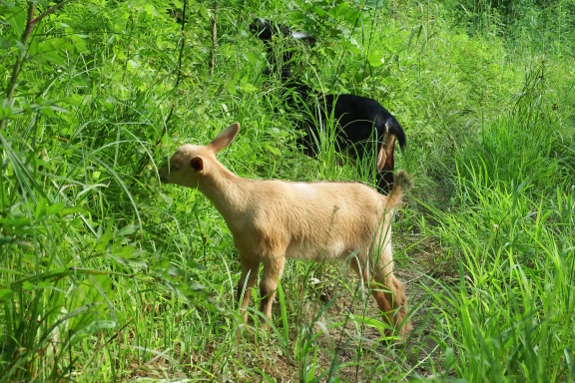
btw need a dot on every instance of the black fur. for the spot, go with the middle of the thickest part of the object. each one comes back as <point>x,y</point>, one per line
<point>266,31</point>
<point>363,122</point>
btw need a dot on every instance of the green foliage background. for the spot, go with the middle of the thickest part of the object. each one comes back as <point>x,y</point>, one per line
<point>106,275</point>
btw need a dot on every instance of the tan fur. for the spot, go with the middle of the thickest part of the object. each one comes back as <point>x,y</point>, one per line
<point>271,220</point>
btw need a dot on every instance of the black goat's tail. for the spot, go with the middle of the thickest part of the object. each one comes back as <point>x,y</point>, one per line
<point>394,127</point>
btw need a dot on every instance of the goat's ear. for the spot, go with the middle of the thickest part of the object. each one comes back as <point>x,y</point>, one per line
<point>225,137</point>
<point>197,163</point>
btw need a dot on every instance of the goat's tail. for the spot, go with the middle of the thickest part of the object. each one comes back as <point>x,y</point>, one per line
<point>401,183</point>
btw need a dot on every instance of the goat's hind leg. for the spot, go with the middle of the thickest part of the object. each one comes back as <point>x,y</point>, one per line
<point>389,294</point>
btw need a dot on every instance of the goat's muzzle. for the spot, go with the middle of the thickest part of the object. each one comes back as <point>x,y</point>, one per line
<point>164,174</point>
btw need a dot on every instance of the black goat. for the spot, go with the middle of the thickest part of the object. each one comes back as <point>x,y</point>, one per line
<point>365,127</point>
<point>266,31</point>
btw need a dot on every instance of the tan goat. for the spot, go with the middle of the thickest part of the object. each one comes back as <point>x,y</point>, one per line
<point>271,220</point>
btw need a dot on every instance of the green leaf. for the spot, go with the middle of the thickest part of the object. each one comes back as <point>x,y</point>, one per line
<point>33,47</point>
<point>105,238</point>
<point>231,88</point>
<point>55,208</point>
<point>59,109</point>
<point>18,20</point>
<point>353,48</point>
<point>128,229</point>
<point>5,294</point>
<point>74,99</point>
<point>79,44</point>
<point>69,210</point>
<point>252,57</point>
<point>127,256</point>
<point>151,10</point>
<point>6,240</point>
<point>41,208</point>
<point>28,286</point>
<point>59,45</point>
<point>318,10</point>
<point>339,10</point>
<point>52,57</point>
<point>21,47</point>
<point>87,293</point>
<point>246,86</point>
<point>334,32</point>
<point>4,44</point>
<point>352,15</point>
<point>376,59</point>
<point>273,150</point>
<point>98,325</point>
<point>135,263</point>
<point>47,111</point>
<point>132,64</point>
<point>109,104</point>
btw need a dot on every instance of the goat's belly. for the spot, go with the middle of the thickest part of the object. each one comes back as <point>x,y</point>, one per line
<point>319,252</point>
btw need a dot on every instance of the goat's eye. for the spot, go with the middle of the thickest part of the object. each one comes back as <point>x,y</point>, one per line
<point>175,167</point>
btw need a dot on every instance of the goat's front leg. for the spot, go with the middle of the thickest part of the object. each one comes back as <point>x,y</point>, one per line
<point>273,270</point>
<point>249,274</point>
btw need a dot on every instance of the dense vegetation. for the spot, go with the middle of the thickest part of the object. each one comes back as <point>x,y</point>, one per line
<point>106,275</point>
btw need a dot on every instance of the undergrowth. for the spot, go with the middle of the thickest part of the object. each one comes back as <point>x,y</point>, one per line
<point>106,275</point>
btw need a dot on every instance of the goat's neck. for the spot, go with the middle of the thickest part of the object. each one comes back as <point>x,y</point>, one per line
<point>226,190</point>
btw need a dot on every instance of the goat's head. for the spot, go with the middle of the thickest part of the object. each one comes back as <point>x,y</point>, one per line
<point>386,163</point>
<point>191,163</point>
<point>267,31</point>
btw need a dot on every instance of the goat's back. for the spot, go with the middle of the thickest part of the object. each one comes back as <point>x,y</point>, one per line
<point>309,220</point>
<point>358,116</point>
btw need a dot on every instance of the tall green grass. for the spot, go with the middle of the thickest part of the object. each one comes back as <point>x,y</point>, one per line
<point>509,238</point>
<point>107,276</point>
